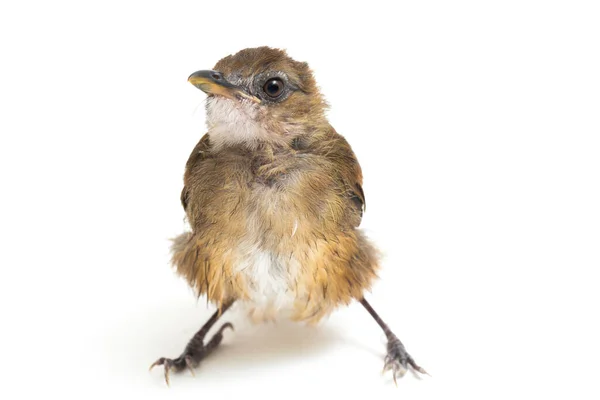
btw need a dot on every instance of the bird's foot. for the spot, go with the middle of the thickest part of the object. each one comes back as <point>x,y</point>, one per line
<point>398,360</point>
<point>194,352</point>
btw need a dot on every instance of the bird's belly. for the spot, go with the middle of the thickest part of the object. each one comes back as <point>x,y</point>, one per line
<point>272,255</point>
<point>271,239</point>
<point>271,280</point>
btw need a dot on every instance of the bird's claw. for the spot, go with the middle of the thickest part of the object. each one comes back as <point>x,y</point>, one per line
<point>178,364</point>
<point>399,361</point>
<point>168,365</point>
<point>192,356</point>
<point>190,365</point>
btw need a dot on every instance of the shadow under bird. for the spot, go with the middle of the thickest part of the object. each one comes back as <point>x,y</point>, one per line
<point>273,195</point>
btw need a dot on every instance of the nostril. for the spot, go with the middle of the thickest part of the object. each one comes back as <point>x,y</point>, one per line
<point>216,76</point>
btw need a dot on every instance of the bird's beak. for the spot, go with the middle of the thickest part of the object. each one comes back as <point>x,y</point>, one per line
<point>213,82</point>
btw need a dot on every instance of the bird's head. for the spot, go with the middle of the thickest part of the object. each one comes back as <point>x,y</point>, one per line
<point>260,95</point>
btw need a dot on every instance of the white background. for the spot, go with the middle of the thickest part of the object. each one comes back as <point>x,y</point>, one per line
<point>476,123</point>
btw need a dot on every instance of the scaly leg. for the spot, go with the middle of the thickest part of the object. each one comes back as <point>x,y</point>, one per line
<point>397,359</point>
<point>196,350</point>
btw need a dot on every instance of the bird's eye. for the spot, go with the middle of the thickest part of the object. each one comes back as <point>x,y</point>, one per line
<point>273,87</point>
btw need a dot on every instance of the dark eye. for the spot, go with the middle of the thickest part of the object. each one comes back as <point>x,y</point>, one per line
<point>273,87</point>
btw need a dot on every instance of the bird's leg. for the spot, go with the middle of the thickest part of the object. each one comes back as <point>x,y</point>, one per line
<point>196,350</point>
<point>397,359</point>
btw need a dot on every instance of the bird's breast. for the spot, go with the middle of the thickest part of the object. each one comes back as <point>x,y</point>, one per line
<point>271,219</point>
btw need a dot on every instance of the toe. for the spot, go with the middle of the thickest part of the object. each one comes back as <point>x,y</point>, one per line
<point>189,362</point>
<point>417,368</point>
<point>168,364</point>
<point>160,361</point>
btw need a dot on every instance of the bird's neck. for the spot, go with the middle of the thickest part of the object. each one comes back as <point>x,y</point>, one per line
<point>233,124</point>
<point>252,135</point>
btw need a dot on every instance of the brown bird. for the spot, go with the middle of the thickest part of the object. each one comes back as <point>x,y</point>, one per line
<point>274,198</point>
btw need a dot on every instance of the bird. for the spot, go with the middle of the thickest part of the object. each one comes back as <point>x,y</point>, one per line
<point>273,197</point>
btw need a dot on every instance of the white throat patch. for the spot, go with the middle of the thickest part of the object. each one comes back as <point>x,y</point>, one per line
<point>234,122</point>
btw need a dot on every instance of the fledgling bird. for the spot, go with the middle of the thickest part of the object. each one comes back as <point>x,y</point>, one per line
<point>273,195</point>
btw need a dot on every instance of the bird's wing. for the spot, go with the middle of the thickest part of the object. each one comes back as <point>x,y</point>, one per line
<point>354,182</point>
<point>197,155</point>
<point>338,150</point>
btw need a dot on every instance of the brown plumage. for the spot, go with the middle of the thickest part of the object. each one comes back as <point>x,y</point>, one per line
<point>273,195</point>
